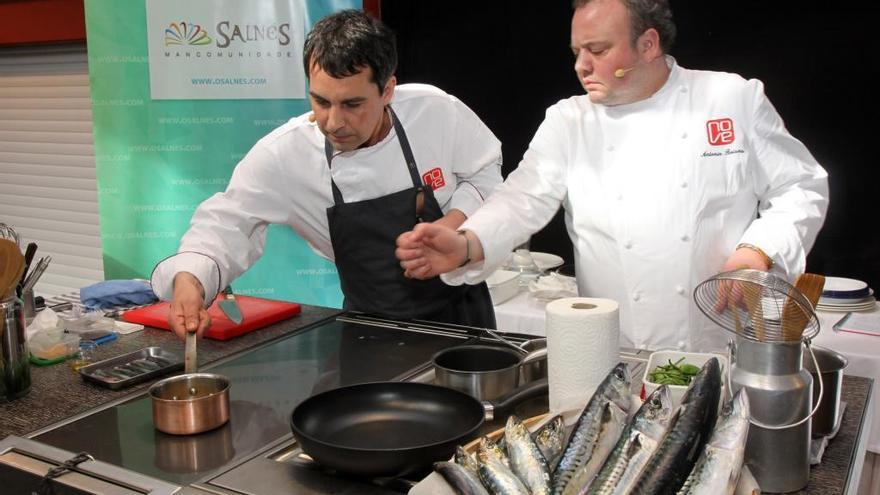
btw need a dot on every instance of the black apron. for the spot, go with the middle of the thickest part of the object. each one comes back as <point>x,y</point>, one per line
<point>364,236</point>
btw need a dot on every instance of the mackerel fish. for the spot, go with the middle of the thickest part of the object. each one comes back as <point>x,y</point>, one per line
<point>526,460</point>
<point>636,445</point>
<point>672,462</point>
<point>494,473</point>
<point>612,427</point>
<point>717,471</point>
<point>550,438</point>
<point>465,460</point>
<point>463,481</point>
<point>613,393</point>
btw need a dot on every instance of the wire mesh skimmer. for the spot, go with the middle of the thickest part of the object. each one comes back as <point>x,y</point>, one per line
<point>758,306</point>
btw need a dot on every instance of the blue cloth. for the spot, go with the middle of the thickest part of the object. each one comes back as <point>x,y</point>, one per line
<point>115,293</point>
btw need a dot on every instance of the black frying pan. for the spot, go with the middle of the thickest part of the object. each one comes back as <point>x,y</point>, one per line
<point>394,428</point>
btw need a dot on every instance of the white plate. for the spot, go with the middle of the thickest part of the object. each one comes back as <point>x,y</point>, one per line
<point>859,302</point>
<point>843,309</point>
<point>546,261</point>
<point>838,287</point>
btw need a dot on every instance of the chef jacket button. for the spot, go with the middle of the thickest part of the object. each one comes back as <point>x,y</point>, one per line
<point>685,238</point>
<point>636,296</point>
<point>682,344</point>
<point>628,244</point>
<point>684,184</point>
<point>610,147</point>
<point>684,135</point>
<point>683,89</point>
<point>679,290</point>
<point>619,197</point>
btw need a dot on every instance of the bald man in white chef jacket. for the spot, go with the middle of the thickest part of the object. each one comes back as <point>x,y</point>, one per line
<point>667,176</point>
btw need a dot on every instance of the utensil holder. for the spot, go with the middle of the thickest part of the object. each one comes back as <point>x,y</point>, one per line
<point>15,368</point>
<point>29,306</point>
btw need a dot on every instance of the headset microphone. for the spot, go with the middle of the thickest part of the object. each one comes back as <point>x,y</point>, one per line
<point>619,73</point>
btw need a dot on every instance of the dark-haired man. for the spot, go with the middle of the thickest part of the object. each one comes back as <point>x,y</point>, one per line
<point>367,163</point>
<point>667,176</point>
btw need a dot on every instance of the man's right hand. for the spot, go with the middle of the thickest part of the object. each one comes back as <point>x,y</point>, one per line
<point>187,313</point>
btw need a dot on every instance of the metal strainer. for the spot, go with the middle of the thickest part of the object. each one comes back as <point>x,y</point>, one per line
<point>758,306</point>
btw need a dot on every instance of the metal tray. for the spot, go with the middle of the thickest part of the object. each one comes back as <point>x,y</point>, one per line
<point>134,367</point>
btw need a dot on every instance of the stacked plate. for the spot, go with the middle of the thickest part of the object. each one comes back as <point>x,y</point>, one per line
<point>845,294</point>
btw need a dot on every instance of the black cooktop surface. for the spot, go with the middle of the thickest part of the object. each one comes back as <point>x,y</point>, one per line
<point>266,385</point>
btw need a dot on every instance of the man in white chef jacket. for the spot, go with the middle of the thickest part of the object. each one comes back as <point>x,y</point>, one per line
<point>370,161</point>
<point>667,176</point>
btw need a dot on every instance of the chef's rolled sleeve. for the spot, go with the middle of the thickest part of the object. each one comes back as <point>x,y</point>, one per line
<point>201,266</point>
<point>476,161</point>
<point>229,228</point>
<point>791,186</point>
<point>523,204</point>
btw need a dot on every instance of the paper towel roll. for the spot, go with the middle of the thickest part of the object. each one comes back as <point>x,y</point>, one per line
<point>582,347</point>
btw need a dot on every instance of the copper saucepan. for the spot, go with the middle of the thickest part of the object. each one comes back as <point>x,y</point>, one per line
<point>190,403</point>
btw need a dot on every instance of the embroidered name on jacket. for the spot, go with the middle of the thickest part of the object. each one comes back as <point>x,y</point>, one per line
<point>434,178</point>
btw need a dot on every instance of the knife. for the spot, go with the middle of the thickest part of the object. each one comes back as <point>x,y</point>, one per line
<point>230,306</point>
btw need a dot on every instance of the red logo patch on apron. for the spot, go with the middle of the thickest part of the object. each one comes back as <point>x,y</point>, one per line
<point>720,131</point>
<point>434,178</point>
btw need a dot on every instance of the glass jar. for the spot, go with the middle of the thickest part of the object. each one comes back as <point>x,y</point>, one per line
<point>84,356</point>
<point>15,367</point>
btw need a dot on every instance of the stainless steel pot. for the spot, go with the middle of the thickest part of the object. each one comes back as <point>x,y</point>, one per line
<point>534,368</point>
<point>190,403</point>
<point>482,371</point>
<point>831,365</point>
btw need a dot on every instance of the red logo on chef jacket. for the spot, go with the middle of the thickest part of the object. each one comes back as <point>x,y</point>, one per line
<point>720,132</point>
<point>434,178</point>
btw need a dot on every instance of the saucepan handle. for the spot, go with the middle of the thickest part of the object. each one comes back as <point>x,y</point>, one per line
<point>504,404</point>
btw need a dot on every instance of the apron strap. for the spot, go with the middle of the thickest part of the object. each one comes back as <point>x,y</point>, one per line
<point>404,147</point>
<point>407,150</point>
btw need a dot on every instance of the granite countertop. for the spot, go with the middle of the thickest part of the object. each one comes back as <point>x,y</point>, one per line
<point>57,392</point>
<point>832,475</point>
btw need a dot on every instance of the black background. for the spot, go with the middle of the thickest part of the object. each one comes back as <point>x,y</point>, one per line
<point>509,61</point>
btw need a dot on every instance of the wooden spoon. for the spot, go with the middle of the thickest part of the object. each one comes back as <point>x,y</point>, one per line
<point>11,267</point>
<point>795,319</point>
<point>752,298</point>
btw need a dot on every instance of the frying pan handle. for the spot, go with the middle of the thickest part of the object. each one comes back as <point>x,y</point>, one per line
<point>504,404</point>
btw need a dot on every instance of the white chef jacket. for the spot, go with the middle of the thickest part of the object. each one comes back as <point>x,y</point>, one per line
<point>657,195</point>
<point>285,179</point>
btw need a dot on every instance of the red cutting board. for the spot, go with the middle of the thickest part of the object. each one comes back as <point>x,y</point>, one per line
<point>256,313</point>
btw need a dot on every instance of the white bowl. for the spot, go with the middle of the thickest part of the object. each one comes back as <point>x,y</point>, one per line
<point>503,284</point>
<point>698,359</point>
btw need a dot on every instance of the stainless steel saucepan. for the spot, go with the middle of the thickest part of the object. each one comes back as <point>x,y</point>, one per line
<point>487,372</point>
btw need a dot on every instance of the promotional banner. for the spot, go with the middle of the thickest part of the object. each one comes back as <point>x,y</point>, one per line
<point>216,49</point>
<point>163,148</point>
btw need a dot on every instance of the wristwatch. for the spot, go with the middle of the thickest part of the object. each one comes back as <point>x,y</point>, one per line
<point>758,250</point>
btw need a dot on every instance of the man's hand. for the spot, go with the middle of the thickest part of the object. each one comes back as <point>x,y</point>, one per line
<point>746,258</point>
<point>186,313</point>
<point>730,294</point>
<point>431,249</point>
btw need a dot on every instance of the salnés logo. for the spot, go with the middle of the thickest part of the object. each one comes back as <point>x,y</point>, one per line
<point>186,33</point>
<point>720,132</point>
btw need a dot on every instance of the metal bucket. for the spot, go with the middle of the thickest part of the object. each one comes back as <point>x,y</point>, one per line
<point>832,365</point>
<point>779,389</point>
